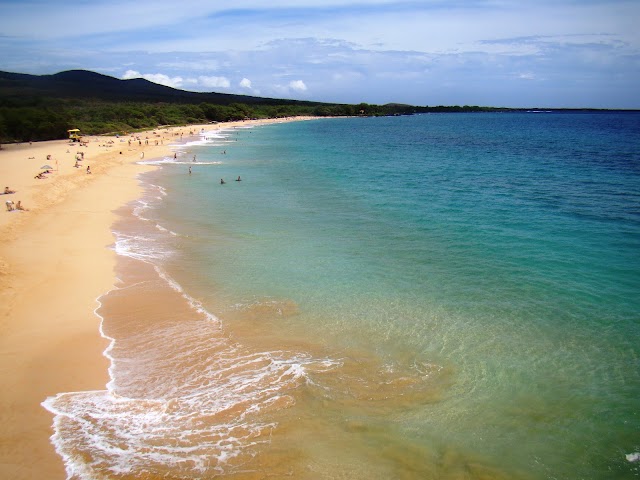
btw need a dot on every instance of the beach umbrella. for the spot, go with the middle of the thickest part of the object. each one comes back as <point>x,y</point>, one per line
<point>46,167</point>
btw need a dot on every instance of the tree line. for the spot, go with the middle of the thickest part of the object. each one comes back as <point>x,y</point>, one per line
<point>40,118</point>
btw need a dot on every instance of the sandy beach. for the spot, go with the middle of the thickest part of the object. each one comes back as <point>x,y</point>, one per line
<point>54,265</point>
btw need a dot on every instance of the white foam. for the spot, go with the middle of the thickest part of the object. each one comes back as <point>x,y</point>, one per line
<point>195,419</point>
<point>162,190</point>
<point>209,140</point>
<point>633,457</point>
<point>149,201</point>
<point>176,161</point>
<point>163,229</point>
<point>141,248</point>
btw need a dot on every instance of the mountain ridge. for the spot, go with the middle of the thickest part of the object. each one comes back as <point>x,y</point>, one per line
<point>87,84</point>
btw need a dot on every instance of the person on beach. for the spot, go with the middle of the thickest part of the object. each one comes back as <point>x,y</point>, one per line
<point>189,169</point>
<point>238,179</point>
<point>20,207</point>
<point>222,181</point>
<point>9,205</point>
<point>88,169</point>
<point>8,191</point>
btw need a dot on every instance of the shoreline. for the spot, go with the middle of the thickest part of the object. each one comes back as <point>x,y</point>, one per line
<point>54,267</point>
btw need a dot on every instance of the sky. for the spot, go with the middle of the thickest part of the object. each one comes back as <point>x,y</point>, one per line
<point>502,53</point>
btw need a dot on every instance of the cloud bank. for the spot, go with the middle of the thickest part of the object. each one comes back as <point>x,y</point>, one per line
<point>511,53</point>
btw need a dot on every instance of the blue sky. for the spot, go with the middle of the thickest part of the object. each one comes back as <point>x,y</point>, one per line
<point>512,53</point>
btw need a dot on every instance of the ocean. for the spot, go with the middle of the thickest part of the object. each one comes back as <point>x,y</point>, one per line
<point>443,296</point>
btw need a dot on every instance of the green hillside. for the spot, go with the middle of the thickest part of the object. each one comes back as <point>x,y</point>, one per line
<point>44,107</point>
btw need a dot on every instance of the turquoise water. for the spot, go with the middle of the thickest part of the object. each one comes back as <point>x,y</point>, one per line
<point>505,246</point>
<point>474,277</point>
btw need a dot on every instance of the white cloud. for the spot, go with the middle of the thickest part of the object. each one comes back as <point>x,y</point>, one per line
<point>178,82</point>
<point>200,83</point>
<point>159,78</point>
<point>246,84</point>
<point>214,82</point>
<point>129,74</point>
<point>298,86</point>
<point>175,82</point>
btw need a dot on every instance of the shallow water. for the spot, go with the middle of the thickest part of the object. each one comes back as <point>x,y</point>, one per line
<point>438,296</point>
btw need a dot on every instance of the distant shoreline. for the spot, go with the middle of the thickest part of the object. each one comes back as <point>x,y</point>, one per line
<point>97,103</point>
<point>423,111</point>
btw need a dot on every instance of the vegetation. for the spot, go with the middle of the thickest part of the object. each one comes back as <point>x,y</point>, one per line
<point>44,107</point>
<point>47,118</point>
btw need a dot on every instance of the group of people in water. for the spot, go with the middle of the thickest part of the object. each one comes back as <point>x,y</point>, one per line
<point>222,182</point>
